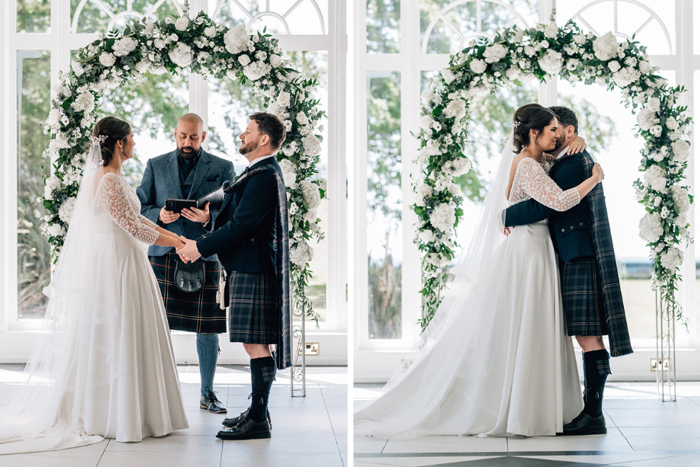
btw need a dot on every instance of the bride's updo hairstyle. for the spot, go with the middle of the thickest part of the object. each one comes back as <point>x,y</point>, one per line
<point>526,118</point>
<point>115,130</point>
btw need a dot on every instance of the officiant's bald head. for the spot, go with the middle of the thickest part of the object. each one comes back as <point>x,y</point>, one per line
<point>189,135</point>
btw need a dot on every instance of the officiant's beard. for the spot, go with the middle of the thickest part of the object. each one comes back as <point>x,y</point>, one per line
<point>186,154</point>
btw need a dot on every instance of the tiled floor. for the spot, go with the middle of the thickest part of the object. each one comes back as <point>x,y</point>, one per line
<point>307,432</point>
<point>642,432</point>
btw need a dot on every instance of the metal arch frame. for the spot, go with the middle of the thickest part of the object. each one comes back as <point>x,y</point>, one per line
<point>281,17</point>
<point>652,16</point>
<point>479,32</point>
<point>128,12</point>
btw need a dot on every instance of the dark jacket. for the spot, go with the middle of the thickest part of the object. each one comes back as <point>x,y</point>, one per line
<point>598,233</point>
<point>161,180</point>
<point>244,229</point>
<point>570,229</point>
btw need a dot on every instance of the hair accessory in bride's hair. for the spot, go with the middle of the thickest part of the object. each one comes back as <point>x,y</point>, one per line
<point>516,123</point>
<point>97,140</point>
<point>95,153</point>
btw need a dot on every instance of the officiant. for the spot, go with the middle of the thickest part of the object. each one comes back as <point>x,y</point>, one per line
<point>188,172</point>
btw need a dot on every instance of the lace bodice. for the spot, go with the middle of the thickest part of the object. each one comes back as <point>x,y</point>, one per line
<point>120,203</point>
<point>532,181</point>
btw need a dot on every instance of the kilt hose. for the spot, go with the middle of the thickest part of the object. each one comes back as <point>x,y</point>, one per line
<point>583,298</point>
<point>195,311</point>
<point>253,316</point>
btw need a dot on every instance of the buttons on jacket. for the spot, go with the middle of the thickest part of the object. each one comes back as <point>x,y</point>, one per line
<point>580,223</point>
<point>563,230</point>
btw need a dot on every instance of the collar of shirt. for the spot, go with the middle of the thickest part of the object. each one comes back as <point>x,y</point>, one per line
<point>563,151</point>
<point>259,159</point>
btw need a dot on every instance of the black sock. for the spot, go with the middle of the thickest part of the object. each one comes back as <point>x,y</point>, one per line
<point>262,374</point>
<point>596,368</point>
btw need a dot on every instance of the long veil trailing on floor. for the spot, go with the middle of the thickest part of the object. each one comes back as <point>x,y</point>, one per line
<point>74,354</point>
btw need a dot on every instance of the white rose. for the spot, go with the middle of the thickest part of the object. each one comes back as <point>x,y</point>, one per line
<point>650,227</point>
<point>210,31</point>
<point>477,66</point>
<point>654,104</point>
<point>671,123</point>
<point>529,51</point>
<point>84,102</point>
<point>181,55</point>
<point>646,119</point>
<point>656,130</point>
<point>54,117</point>
<point>600,81</point>
<point>423,190</point>
<point>159,43</point>
<point>107,59</point>
<point>614,66</point>
<point>494,54</point>
<point>551,62</point>
<point>519,34</point>
<point>551,31</point>
<point>182,23</point>
<point>426,236</point>
<point>644,67</point>
<point>428,95</point>
<point>124,46</point>
<point>681,150</point>
<point>658,157</point>
<point>447,75</point>
<point>579,39</point>
<point>284,98</point>
<point>461,166</point>
<point>275,61</point>
<point>456,108</point>
<point>655,177</point>
<point>426,122</point>
<point>454,189</point>
<point>243,59</point>
<point>302,119</point>
<point>55,230</point>
<point>512,73</point>
<point>142,66</point>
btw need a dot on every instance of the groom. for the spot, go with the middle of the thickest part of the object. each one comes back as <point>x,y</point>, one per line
<point>188,172</point>
<point>589,281</point>
<point>251,240</point>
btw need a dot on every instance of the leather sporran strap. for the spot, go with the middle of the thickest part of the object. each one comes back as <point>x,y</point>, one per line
<point>189,277</point>
<point>222,293</point>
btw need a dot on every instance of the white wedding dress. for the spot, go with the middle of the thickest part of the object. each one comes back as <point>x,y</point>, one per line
<point>104,366</point>
<point>498,362</point>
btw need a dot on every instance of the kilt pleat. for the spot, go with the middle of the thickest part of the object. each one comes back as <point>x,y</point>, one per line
<point>193,312</point>
<point>583,299</point>
<point>253,313</point>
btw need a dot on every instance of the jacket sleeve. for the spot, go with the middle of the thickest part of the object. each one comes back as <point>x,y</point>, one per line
<point>147,195</point>
<point>230,175</point>
<point>258,199</point>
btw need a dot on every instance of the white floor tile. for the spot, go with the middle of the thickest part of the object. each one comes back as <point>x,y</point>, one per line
<point>663,438</point>
<point>369,445</point>
<point>613,441</point>
<point>415,461</point>
<point>430,444</point>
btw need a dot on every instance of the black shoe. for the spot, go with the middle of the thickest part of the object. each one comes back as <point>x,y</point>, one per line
<point>231,422</point>
<point>211,403</point>
<point>584,424</point>
<point>247,429</point>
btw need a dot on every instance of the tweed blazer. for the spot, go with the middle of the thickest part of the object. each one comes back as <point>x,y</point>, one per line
<point>595,230</point>
<point>161,180</point>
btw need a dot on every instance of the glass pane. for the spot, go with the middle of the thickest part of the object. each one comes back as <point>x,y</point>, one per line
<point>34,16</point>
<point>633,18</point>
<point>383,28</point>
<point>278,16</point>
<point>384,204</point>
<point>33,253</point>
<point>689,311</point>
<point>229,107</point>
<point>94,16</point>
<point>605,124</point>
<point>449,26</point>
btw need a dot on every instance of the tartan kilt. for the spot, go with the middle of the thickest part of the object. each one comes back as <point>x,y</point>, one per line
<point>583,298</point>
<point>194,312</point>
<point>253,313</point>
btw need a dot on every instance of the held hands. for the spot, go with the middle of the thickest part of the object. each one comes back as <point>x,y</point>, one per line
<point>168,217</point>
<point>197,215</point>
<point>507,231</point>
<point>598,172</point>
<point>577,145</point>
<point>188,253</point>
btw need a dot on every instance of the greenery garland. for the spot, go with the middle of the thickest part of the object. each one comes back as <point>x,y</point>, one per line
<point>513,57</point>
<point>201,46</point>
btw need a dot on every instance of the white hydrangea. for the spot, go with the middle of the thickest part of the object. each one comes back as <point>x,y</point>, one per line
<point>236,40</point>
<point>311,194</point>
<point>443,217</point>
<point>124,46</point>
<point>312,145</point>
<point>447,75</point>
<point>84,102</point>
<point>77,67</point>
<point>143,66</point>
<point>54,117</point>
<point>65,212</point>
<point>460,166</point>
<point>650,227</point>
<point>672,258</point>
<point>681,150</point>
<point>456,108</point>
<point>626,76</point>
<point>477,66</point>
<point>605,47</point>
<point>655,177</point>
<point>181,55</point>
<point>107,59</point>
<point>495,53</point>
<point>428,95</point>
<point>680,199</point>
<point>301,254</point>
<point>423,190</point>
<point>256,70</point>
<point>551,62</point>
<point>646,118</point>
<point>182,23</point>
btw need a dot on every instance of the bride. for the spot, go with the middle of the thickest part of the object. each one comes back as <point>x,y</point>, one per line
<point>495,359</point>
<point>104,366</point>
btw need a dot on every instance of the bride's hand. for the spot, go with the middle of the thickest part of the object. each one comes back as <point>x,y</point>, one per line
<point>577,145</point>
<point>598,172</point>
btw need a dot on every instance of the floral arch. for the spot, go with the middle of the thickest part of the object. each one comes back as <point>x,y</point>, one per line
<point>201,46</point>
<point>515,56</point>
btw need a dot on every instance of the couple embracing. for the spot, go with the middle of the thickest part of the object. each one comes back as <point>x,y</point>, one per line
<point>104,366</point>
<point>497,359</point>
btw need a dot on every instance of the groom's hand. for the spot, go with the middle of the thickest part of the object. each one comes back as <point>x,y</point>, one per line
<point>189,252</point>
<point>197,215</point>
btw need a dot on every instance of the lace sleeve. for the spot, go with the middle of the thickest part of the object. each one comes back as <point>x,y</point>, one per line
<point>113,199</point>
<point>536,183</point>
<point>148,222</point>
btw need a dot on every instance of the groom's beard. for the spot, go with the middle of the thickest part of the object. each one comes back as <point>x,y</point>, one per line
<point>561,142</point>
<point>246,148</point>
